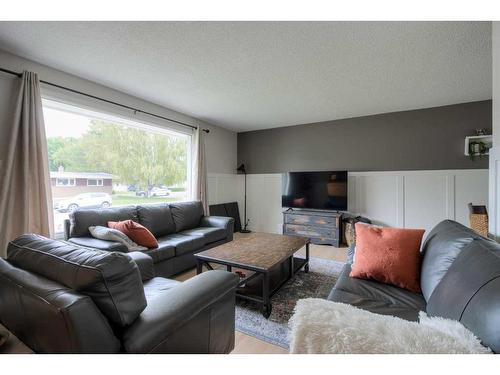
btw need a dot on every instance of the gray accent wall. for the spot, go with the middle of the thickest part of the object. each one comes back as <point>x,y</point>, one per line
<point>424,139</point>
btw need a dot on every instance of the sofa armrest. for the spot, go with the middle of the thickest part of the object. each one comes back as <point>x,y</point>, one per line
<point>99,244</point>
<point>145,264</point>
<point>197,316</point>
<point>223,222</point>
<point>67,226</point>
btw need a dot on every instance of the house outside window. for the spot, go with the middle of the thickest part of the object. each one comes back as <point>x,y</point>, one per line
<point>94,182</point>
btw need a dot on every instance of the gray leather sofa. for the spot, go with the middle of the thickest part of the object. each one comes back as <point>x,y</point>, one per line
<point>460,280</point>
<point>180,228</point>
<point>58,297</point>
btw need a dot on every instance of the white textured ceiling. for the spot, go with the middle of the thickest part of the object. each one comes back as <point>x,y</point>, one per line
<point>254,75</point>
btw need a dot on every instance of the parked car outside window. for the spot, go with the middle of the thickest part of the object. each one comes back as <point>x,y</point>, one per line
<point>159,192</point>
<point>88,200</point>
<point>155,191</point>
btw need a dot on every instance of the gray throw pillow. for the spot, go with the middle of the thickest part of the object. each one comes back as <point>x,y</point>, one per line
<point>109,234</point>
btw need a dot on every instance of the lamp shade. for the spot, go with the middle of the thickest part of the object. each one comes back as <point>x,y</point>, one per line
<point>241,169</point>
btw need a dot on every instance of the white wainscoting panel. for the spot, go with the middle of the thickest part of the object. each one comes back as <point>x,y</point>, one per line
<point>426,200</point>
<point>470,188</point>
<point>224,188</point>
<point>264,202</point>
<point>376,196</point>
<point>412,199</point>
<point>255,203</point>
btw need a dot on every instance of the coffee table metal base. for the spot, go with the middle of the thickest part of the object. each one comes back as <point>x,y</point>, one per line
<point>295,265</point>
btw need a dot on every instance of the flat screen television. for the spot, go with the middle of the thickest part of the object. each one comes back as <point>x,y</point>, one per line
<point>315,190</point>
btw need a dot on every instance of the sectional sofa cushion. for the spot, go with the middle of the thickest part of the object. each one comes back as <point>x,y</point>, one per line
<point>182,244</point>
<point>157,218</point>
<point>187,215</point>
<point>208,234</point>
<point>82,219</point>
<point>164,251</point>
<point>441,247</point>
<point>145,264</point>
<point>376,297</point>
<point>111,279</point>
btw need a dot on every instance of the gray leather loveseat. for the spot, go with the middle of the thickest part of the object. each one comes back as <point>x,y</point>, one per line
<point>460,280</point>
<point>58,297</point>
<point>180,228</point>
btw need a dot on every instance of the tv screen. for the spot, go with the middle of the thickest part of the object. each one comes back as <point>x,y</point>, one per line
<point>315,190</point>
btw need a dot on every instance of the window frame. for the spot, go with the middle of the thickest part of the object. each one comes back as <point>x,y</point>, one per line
<point>55,102</point>
<point>97,180</point>
<point>69,182</point>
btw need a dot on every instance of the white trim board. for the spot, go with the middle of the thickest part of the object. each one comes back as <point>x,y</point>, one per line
<point>494,192</point>
<point>413,199</point>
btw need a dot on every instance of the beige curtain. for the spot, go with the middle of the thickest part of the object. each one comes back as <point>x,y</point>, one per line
<point>25,196</point>
<point>200,170</point>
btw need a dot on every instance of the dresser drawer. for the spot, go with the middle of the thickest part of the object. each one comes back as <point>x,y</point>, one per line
<point>309,231</point>
<point>312,220</point>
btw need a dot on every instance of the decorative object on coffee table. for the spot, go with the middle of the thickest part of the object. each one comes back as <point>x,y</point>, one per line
<point>268,259</point>
<point>242,169</point>
<point>478,216</point>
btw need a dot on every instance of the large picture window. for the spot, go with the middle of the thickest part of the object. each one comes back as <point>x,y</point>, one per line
<point>97,161</point>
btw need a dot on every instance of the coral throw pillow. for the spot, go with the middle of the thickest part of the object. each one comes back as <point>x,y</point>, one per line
<point>388,255</point>
<point>135,231</point>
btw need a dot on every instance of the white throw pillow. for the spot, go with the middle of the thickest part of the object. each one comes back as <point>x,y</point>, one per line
<point>321,326</point>
<point>109,234</point>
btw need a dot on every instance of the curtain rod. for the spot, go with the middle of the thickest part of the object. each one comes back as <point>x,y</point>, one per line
<point>104,100</point>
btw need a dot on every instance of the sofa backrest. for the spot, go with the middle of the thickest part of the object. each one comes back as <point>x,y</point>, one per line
<point>50,317</point>
<point>160,218</point>
<point>460,279</point>
<point>441,247</point>
<point>112,280</point>
<point>81,219</point>
<point>187,215</point>
<point>157,218</point>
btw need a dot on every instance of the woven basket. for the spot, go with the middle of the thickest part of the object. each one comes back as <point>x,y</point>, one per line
<point>349,233</point>
<point>478,219</point>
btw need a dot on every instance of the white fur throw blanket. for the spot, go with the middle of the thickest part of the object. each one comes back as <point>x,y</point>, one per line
<point>321,326</point>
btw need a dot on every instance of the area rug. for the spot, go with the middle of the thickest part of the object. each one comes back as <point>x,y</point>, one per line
<point>317,283</point>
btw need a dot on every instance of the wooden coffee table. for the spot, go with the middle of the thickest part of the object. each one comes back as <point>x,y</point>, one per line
<point>267,260</point>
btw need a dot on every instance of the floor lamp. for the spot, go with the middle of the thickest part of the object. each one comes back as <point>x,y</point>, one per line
<point>241,169</point>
